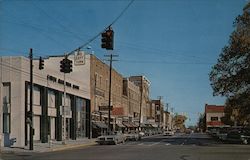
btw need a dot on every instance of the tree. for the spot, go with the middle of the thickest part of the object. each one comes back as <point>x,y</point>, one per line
<point>202,123</point>
<point>230,77</point>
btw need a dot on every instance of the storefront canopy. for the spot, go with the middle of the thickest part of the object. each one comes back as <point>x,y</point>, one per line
<point>100,125</point>
<point>120,125</point>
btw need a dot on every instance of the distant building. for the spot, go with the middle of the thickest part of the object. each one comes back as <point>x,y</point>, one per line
<point>143,83</point>
<point>159,112</point>
<point>213,115</point>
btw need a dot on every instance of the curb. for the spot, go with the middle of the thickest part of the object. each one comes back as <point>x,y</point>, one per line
<point>70,146</point>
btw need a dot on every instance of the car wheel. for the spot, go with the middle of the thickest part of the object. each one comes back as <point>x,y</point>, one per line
<point>245,141</point>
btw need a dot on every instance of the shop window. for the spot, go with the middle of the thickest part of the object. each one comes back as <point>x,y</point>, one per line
<point>214,118</point>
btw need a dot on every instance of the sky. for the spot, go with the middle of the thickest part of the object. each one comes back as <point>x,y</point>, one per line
<point>174,43</point>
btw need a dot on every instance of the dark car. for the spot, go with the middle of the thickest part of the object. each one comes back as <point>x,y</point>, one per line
<point>239,136</point>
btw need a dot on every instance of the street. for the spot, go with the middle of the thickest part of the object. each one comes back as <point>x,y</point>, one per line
<point>178,147</point>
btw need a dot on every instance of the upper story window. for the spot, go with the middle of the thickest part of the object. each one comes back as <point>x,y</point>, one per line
<point>51,99</point>
<point>214,118</point>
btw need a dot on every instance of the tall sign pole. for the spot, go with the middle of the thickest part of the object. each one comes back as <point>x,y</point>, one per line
<point>31,100</point>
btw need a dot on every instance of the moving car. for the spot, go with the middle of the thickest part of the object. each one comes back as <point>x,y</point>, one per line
<point>113,138</point>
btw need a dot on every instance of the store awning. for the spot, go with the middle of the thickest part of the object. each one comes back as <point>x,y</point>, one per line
<point>127,124</point>
<point>130,124</point>
<point>120,125</point>
<point>100,125</point>
<point>135,125</point>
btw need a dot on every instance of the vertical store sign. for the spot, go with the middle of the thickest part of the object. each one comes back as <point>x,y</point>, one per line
<point>79,58</point>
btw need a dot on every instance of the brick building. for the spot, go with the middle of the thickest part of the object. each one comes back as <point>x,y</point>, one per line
<point>213,115</point>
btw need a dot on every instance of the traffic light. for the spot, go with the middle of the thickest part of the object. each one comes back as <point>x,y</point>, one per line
<point>62,66</point>
<point>41,63</point>
<point>108,39</point>
<point>66,65</point>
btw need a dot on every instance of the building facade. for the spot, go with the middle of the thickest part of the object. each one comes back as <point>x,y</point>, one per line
<point>48,90</point>
<point>213,115</point>
<point>144,84</point>
<point>99,93</point>
<point>132,94</point>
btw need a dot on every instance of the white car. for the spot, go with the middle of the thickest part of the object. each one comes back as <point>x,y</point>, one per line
<point>168,133</point>
<point>114,138</point>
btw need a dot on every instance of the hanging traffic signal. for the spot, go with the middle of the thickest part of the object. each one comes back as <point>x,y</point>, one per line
<point>62,66</point>
<point>66,65</point>
<point>41,63</point>
<point>108,39</point>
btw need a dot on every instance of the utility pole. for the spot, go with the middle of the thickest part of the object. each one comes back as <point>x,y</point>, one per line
<point>65,67</point>
<point>31,99</point>
<point>64,103</point>
<point>159,125</point>
<point>141,89</point>
<point>110,84</point>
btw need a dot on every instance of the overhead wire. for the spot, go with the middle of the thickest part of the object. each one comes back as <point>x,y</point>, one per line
<point>58,22</point>
<point>98,34</point>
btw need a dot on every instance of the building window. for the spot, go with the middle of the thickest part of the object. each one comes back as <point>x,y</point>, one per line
<point>96,76</point>
<point>36,95</point>
<point>214,118</point>
<point>51,99</point>
<point>6,107</point>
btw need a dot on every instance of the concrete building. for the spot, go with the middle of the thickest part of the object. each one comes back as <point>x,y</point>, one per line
<point>213,115</point>
<point>143,83</point>
<point>47,99</point>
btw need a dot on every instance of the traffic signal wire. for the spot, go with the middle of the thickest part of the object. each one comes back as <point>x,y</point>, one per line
<point>97,35</point>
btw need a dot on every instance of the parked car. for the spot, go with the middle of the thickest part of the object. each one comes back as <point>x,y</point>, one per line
<point>222,134</point>
<point>142,134</point>
<point>132,136</point>
<point>168,133</point>
<point>113,138</point>
<point>239,136</point>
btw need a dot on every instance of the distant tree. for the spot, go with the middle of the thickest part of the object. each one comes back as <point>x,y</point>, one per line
<point>202,123</point>
<point>230,77</point>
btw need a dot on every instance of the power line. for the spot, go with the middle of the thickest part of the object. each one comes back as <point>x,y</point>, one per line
<point>165,62</point>
<point>113,22</point>
<point>58,22</point>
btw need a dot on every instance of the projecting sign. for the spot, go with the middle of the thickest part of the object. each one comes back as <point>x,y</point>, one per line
<point>105,108</point>
<point>79,58</point>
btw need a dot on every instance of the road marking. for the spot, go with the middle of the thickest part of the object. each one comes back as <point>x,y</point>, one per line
<point>168,144</point>
<point>184,157</point>
<point>154,144</point>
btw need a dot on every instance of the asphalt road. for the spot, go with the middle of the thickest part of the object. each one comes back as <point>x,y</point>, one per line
<point>178,147</point>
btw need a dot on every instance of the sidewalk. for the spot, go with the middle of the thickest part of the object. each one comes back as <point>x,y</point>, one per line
<point>55,146</point>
